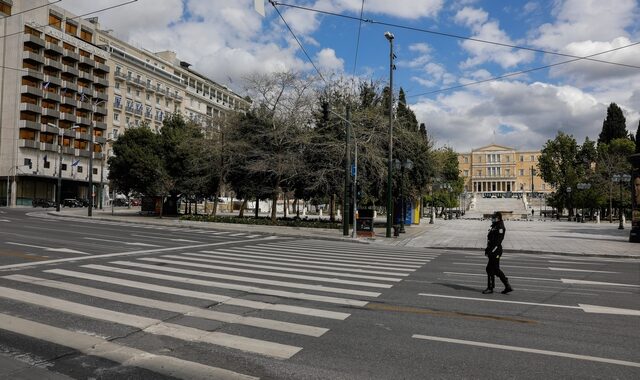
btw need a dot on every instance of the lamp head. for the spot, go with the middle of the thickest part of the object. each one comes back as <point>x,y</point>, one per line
<point>389,36</point>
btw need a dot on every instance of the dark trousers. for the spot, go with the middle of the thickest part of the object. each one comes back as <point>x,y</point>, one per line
<point>493,270</point>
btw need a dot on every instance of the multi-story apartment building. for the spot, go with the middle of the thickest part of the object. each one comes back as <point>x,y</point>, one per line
<point>63,77</point>
<point>499,170</point>
<point>53,94</point>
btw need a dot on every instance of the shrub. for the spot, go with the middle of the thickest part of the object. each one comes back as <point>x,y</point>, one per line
<point>288,222</point>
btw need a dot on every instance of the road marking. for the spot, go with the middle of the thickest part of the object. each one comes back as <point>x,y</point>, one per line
<point>62,250</point>
<point>248,289</point>
<point>579,270</point>
<point>154,326</point>
<point>312,263</point>
<point>361,248</point>
<point>348,254</point>
<point>500,301</point>
<point>528,350</point>
<point>254,280</point>
<point>5,220</point>
<point>193,311</point>
<point>355,251</point>
<point>55,261</point>
<point>123,242</point>
<point>572,262</point>
<point>317,260</point>
<point>267,273</point>
<point>584,282</point>
<point>127,356</point>
<point>522,278</point>
<point>210,260</point>
<point>608,310</point>
<point>165,238</point>
<point>204,295</point>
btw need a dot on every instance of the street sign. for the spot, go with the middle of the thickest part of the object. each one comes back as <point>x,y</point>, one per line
<point>354,170</point>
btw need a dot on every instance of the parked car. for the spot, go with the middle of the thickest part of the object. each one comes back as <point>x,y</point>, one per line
<point>84,202</point>
<point>43,203</point>
<point>136,202</point>
<point>70,202</point>
<point>120,202</point>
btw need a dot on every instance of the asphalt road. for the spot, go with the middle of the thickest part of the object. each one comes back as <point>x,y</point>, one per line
<point>108,300</point>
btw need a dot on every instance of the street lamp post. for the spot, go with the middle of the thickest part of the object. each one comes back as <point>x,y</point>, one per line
<point>91,138</point>
<point>621,178</point>
<point>59,188</point>
<point>569,204</point>
<point>583,186</point>
<point>390,37</point>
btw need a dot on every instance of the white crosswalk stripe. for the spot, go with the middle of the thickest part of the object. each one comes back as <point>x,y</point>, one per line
<point>336,275</point>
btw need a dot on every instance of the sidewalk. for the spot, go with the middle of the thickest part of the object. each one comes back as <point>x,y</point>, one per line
<point>537,236</point>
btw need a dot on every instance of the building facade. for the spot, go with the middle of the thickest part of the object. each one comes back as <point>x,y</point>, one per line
<point>64,79</point>
<point>496,170</point>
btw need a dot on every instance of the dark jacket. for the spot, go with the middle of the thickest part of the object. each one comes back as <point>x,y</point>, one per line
<point>494,238</point>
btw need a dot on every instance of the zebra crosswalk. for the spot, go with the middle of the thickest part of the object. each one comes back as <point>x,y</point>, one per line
<point>295,290</point>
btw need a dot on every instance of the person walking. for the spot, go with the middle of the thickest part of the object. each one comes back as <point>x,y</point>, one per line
<point>493,252</point>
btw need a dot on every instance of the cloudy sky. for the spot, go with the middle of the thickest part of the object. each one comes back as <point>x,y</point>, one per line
<point>227,40</point>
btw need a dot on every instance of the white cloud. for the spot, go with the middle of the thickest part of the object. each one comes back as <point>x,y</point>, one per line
<point>409,9</point>
<point>327,61</point>
<point>535,112</point>
<point>481,53</point>
<point>585,20</point>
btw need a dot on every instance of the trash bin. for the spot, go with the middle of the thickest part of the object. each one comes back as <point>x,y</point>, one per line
<point>364,223</point>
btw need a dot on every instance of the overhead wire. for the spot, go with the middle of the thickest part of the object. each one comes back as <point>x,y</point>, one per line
<point>451,35</point>
<point>355,59</point>
<point>75,17</point>
<point>29,10</point>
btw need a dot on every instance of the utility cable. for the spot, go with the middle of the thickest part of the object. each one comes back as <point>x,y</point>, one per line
<point>422,30</point>
<point>355,59</point>
<point>297,40</point>
<point>72,18</point>
<point>521,72</point>
<point>29,10</point>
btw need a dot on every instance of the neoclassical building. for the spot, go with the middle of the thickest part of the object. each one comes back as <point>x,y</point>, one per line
<point>500,170</point>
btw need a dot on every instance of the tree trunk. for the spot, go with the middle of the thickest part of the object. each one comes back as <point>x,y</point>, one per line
<point>332,208</point>
<point>274,206</point>
<point>196,207</point>
<point>242,207</point>
<point>610,204</point>
<point>285,201</point>
<point>297,203</point>
<point>257,208</point>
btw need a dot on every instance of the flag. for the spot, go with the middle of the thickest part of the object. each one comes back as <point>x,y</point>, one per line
<point>82,96</point>
<point>45,85</point>
<point>75,163</point>
<point>45,158</point>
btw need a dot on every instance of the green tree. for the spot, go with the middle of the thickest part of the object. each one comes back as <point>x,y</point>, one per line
<point>612,159</point>
<point>559,166</point>
<point>614,126</point>
<point>637,138</point>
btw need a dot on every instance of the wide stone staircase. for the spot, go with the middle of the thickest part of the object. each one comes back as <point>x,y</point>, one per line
<point>512,208</point>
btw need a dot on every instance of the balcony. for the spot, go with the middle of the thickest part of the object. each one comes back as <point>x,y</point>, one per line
<point>148,115</point>
<point>49,147</point>
<point>101,81</point>
<point>72,55</point>
<point>87,61</point>
<point>85,106</point>
<point>29,56</point>
<point>100,110</point>
<point>86,91</point>
<point>100,125</point>
<point>101,95</point>
<point>69,86</point>
<point>29,144</point>
<point>83,152</point>
<point>120,75</point>
<point>30,107</point>
<point>48,62</point>
<point>68,100</point>
<point>137,82</point>
<point>33,40</point>
<point>52,80</point>
<point>128,109</point>
<point>100,140</point>
<point>28,73</point>
<point>102,67</point>
<point>83,121</point>
<point>50,46</point>
<point>71,70</point>
<point>86,76</point>
<point>137,112</point>
<point>28,124</point>
<point>31,90</point>
<point>52,96</point>
<point>117,106</point>
<point>68,117</point>
<point>68,150</point>
<point>51,112</point>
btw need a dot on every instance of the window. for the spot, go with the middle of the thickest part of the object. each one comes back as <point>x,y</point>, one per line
<point>70,28</point>
<point>157,100</point>
<point>466,173</point>
<point>521,171</point>
<point>5,8</point>
<point>63,167</point>
<point>47,164</point>
<point>508,171</point>
<point>137,92</point>
<point>479,173</point>
<point>466,159</point>
<point>533,158</point>
<point>79,169</point>
<point>86,35</point>
<point>117,85</point>
<point>148,96</point>
<point>95,170</point>
<point>508,159</point>
<point>128,90</point>
<point>521,158</point>
<point>116,116</point>
<point>55,21</point>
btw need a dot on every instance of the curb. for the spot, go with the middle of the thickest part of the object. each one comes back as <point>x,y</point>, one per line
<point>526,251</point>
